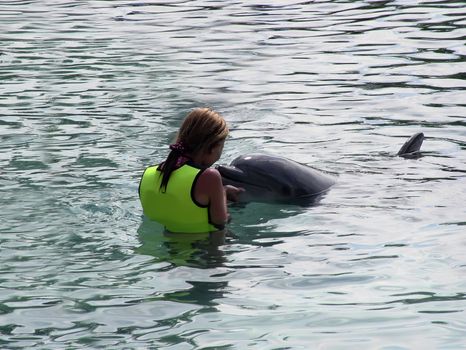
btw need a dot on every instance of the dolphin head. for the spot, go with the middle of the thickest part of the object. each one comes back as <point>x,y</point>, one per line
<point>412,147</point>
<point>253,174</point>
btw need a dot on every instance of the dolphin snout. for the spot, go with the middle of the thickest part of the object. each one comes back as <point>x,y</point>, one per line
<point>230,172</point>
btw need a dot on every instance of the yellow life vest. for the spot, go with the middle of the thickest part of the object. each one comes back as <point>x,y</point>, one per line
<point>175,208</point>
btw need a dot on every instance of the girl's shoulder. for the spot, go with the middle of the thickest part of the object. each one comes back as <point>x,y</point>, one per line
<point>208,186</point>
<point>211,175</point>
<point>210,181</point>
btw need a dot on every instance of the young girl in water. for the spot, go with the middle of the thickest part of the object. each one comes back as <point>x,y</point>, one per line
<point>183,193</point>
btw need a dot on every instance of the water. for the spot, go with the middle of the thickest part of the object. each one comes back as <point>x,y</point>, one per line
<point>92,91</point>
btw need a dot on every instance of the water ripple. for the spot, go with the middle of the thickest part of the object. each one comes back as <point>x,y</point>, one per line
<point>92,95</point>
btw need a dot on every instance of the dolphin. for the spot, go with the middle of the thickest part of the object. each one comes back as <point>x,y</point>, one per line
<point>268,178</point>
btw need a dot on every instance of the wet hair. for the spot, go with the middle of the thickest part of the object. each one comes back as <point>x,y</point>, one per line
<point>201,131</point>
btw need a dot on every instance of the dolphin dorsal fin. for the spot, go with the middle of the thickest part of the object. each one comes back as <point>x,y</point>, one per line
<point>412,146</point>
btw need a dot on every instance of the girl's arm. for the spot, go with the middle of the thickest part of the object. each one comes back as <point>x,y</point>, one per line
<point>209,190</point>
<point>233,193</point>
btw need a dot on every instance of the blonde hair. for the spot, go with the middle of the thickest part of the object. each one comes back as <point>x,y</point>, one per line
<point>201,131</point>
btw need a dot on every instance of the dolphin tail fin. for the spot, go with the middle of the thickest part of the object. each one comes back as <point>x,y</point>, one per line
<point>412,147</point>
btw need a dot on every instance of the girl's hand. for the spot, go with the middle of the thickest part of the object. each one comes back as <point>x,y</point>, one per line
<point>233,192</point>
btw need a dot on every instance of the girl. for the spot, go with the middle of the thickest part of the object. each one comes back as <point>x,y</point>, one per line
<point>183,193</point>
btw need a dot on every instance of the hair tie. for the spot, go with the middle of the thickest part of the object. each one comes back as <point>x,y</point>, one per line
<point>178,147</point>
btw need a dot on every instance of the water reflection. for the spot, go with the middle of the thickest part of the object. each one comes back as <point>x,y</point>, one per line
<point>196,250</point>
<point>203,293</point>
<point>252,223</point>
<point>193,251</point>
<point>99,90</point>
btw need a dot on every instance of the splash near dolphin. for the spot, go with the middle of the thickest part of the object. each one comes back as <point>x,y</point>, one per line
<point>268,178</point>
